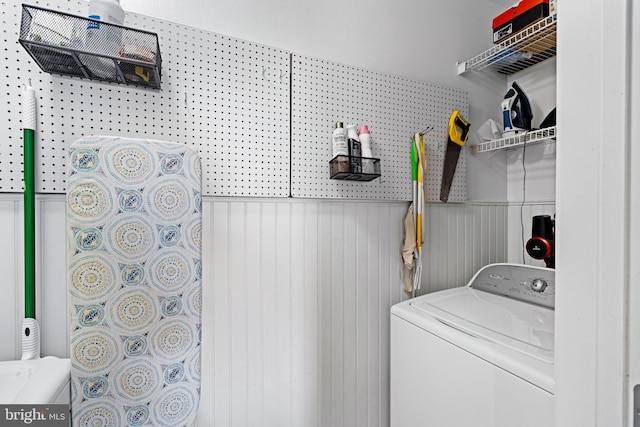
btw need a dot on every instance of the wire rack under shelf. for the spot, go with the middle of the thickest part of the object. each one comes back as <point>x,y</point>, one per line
<point>72,45</point>
<point>532,45</point>
<point>531,137</point>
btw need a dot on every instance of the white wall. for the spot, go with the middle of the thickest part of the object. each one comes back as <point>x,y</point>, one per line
<point>634,229</point>
<point>531,169</point>
<point>539,84</point>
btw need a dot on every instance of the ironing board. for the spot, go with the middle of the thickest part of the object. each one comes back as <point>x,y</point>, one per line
<point>134,281</point>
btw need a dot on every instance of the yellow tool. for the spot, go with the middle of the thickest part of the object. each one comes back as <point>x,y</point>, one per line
<point>458,134</point>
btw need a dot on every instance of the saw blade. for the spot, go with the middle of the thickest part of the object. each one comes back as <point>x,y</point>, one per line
<point>448,171</point>
<point>457,137</point>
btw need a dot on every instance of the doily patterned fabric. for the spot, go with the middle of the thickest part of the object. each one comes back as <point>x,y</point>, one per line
<point>92,277</point>
<point>131,237</point>
<point>170,199</point>
<point>132,163</point>
<point>134,271</point>
<point>175,406</point>
<point>99,413</point>
<point>89,199</point>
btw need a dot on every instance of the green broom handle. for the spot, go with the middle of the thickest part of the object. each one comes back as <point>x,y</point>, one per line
<point>29,227</point>
<point>29,126</point>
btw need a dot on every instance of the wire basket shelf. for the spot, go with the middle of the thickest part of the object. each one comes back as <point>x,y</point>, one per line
<point>532,45</point>
<point>75,46</point>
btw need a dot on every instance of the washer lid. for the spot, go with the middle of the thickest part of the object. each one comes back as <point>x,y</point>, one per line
<point>524,327</point>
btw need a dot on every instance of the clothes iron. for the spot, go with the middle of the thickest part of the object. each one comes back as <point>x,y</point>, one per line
<point>516,111</point>
<point>550,120</point>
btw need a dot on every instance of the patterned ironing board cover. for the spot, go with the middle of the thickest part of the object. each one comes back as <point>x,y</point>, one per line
<point>134,280</point>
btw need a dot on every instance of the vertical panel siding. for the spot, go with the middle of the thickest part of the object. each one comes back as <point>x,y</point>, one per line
<point>51,268</point>
<point>302,291</point>
<point>207,392</point>
<point>255,379</point>
<point>296,298</point>
<point>11,307</point>
<point>460,239</point>
<point>301,297</point>
<point>50,276</point>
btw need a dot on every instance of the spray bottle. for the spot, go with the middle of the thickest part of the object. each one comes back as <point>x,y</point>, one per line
<point>365,141</point>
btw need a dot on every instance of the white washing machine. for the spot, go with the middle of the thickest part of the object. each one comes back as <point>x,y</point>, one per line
<point>481,355</point>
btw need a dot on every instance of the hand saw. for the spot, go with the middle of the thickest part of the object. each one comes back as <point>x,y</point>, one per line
<point>458,134</point>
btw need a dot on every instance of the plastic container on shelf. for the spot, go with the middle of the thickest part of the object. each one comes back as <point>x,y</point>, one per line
<point>107,11</point>
<point>340,149</point>
<point>355,149</point>
<point>107,41</point>
<point>365,145</point>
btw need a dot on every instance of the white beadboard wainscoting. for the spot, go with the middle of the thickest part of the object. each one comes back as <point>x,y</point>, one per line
<point>51,287</point>
<point>296,298</point>
<point>297,320</point>
<point>296,324</point>
<point>459,240</point>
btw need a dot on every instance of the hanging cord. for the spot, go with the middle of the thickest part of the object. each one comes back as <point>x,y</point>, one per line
<point>524,192</point>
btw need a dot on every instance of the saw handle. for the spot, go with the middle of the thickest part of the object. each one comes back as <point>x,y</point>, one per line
<point>458,128</point>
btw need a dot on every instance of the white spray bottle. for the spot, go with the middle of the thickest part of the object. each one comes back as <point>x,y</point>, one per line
<point>365,144</point>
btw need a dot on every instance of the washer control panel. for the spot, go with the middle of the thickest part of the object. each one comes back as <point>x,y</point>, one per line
<point>526,283</point>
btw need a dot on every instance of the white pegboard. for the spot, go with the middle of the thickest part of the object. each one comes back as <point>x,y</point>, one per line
<point>228,98</point>
<point>394,108</point>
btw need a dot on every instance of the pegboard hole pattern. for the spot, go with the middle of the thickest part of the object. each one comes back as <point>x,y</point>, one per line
<point>394,108</point>
<point>258,133</point>
<point>228,98</point>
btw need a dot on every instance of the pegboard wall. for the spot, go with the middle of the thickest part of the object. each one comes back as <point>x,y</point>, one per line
<point>228,98</point>
<point>394,108</point>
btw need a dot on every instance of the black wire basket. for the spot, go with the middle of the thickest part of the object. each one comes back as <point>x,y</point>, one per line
<point>75,46</point>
